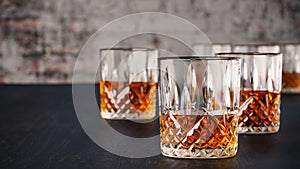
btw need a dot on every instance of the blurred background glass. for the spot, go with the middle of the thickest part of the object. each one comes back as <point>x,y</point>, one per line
<point>291,68</point>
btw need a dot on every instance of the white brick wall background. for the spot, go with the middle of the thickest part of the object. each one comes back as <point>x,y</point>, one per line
<point>40,40</point>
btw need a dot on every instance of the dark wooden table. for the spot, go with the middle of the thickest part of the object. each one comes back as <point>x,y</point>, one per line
<point>39,129</point>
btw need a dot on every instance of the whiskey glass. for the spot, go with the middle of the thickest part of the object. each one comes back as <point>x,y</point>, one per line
<point>128,83</point>
<point>291,68</point>
<point>260,91</point>
<point>199,103</point>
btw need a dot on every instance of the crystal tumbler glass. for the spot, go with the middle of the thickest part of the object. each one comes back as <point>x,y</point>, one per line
<point>260,90</point>
<point>199,104</point>
<point>128,83</point>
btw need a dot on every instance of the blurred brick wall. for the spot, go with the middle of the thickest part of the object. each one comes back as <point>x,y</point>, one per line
<point>40,40</point>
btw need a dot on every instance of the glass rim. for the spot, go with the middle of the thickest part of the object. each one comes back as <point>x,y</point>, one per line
<point>289,43</point>
<point>196,58</point>
<point>256,44</point>
<point>211,44</point>
<point>266,44</point>
<point>249,54</point>
<point>127,49</point>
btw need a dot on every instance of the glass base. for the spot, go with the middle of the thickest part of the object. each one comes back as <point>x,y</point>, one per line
<point>229,151</point>
<point>128,115</point>
<point>259,130</point>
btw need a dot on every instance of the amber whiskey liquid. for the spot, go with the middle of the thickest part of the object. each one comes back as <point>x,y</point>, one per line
<point>262,114</point>
<point>291,82</point>
<point>199,136</point>
<point>121,100</point>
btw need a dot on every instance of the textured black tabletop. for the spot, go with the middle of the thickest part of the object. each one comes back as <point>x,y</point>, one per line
<point>39,129</point>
